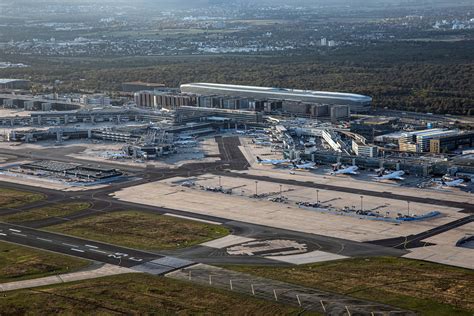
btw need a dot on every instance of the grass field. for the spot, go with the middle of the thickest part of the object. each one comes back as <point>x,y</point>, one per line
<point>57,210</point>
<point>13,198</point>
<point>428,288</point>
<point>142,230</point>
<point>20,263</point>
<point>135,294</point>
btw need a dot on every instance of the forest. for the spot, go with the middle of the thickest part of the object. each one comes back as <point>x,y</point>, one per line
<point>432,77</point>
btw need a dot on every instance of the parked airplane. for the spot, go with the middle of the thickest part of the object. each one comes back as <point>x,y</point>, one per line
<point>186,143</point>
<point>274,162</point>
<point>348,170</point>
<point>452,184</point>
<point>396,175</point>
<point>304,166</point>
<point>263,143</point>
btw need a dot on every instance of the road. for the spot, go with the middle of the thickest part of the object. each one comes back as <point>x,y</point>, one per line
<point>231,159</point>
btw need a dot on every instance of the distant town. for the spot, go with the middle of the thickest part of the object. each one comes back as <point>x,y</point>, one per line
<point>218,157</point>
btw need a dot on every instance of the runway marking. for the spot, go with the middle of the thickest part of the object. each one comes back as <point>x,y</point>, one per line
<point>15,230</point>
<point>18,234</point>
<point>135,259</point>
<point>43,239</point>
<point>77,250</point>
<point>99,251</point>
<point>192,219</point>
<point>90,246</point>
<point>66,244</point>
<point>2,234</point>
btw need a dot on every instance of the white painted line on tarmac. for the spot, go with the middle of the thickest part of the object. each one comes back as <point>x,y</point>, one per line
<point>43,239</point>
<point>77,250</point>
<point>99,251</point>
<point>2,234</point>
<point>22,235</point>
<point>193,219</point>
<point>15,230</point>
<point>66,244</point>
<point>90,246</point>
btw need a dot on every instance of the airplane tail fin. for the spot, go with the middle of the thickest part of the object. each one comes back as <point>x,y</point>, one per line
<point>259,159</point>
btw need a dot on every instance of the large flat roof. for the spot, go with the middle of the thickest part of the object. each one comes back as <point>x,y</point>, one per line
<point>282,92</point>
<point>3,81</point>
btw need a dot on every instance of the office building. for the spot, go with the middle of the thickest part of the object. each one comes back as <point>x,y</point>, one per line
<point>136,86</point>
<point>14,84</point>
<point>186,114</point>
<point>449,143</point>
<point>96,100</point>
<point>364,150</point>
<point>372,127</point>
<point>419,141</point>
<point>172,101</point>
<point>144,99</point>
<point>340,112</point>
<point>356,102</point>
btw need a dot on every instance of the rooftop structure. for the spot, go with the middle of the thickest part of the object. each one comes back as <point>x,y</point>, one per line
<point>136,86</point>
<point>14,84</point>
<point>419,141</point>
<point>71,171</point>
<point>356,101</point>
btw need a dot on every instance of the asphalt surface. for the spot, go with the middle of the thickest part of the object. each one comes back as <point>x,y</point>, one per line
<point>73,246</point>
<point>415,241</point>
<point>466,207</point>
<point>231,159</point>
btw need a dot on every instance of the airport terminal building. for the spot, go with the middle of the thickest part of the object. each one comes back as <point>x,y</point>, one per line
<point>356,102</point>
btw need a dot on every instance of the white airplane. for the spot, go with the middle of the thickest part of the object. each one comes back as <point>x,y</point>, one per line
<point>452,184</point>
<point>274,162</point>
<point>304,166</point>
<point>348,170</point>
<point>396,175</point>
<point>262,143</point>
<point>186,143</point>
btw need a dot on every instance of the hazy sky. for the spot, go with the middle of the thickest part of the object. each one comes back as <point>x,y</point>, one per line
<point>201,3</point>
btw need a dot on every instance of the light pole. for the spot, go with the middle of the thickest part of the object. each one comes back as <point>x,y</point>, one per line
<point>220,185</point>
<point>361,202</point>
<point>317,196</point>
<point>408,208</point>
<point>256,188</point>
<point>280,190</point>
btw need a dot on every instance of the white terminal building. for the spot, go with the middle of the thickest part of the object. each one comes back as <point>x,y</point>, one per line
<point>356,102</point>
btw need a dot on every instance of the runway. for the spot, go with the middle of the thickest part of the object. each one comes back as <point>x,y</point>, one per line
<point>77,247</point>
<point>231,159</point>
